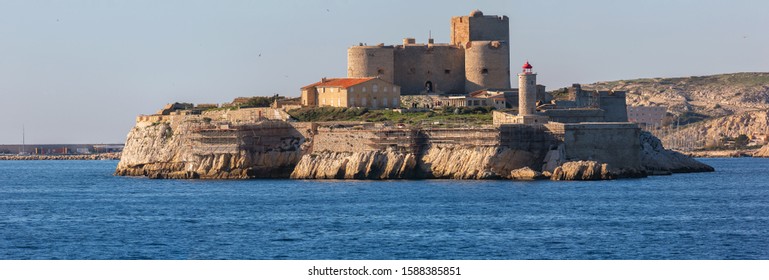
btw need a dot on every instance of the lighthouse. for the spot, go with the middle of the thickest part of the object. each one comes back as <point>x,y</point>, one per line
<point>527,91</point>
<point>527,98</point>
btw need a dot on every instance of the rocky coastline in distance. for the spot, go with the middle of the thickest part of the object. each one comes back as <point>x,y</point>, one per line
<point>99,156</point>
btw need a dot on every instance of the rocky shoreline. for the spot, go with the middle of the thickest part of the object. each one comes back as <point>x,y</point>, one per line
<point>227,147</point>
<point>760,153</point>
<point>102,156</point>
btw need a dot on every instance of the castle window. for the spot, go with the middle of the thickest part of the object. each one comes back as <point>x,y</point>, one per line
<point>447,71</point>
<point>352,89</point>
<point>364,89</point>
<point>484,71</point>
<point>384,89</point>
<point>394,89</point>
<point>375,88</point>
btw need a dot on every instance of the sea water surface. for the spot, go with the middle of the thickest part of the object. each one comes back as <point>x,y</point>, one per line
<point>78,210</point>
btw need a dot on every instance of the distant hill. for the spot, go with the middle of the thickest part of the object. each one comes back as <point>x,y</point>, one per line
<point>714,96</point>
<point>712,107</point>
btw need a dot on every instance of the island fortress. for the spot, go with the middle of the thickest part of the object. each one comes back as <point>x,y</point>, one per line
<point>478,57</point>
<point>584,137</point>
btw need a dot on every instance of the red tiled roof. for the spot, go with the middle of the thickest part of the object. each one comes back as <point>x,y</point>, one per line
<point>339,82</point>
<point>485,94</point>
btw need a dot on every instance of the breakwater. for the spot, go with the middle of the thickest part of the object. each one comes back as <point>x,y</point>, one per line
<point>101,156</point>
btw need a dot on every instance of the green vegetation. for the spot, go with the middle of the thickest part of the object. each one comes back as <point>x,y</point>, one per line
<point>450,115</point>
<point>260,101</point>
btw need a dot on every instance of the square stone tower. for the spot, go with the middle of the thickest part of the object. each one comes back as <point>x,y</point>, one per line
<point>477,27</point>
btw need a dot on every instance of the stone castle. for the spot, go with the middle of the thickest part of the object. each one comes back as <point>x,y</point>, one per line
<point>584,137</point>
<point>478,57</point>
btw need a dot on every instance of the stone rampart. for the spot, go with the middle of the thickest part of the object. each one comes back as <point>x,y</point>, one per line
<point>617,144</point>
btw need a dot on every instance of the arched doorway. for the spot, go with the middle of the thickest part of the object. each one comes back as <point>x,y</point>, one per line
<point>429,86</point>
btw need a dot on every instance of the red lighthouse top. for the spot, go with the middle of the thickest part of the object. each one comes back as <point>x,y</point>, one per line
<point>527,67</point>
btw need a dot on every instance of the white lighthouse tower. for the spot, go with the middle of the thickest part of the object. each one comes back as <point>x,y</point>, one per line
<point>527,98</point>
<point>527,91</point>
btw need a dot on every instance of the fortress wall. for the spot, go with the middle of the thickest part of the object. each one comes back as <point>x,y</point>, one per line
<point>525,137</point>
<point>615,105</point>
<point>461,136</point>
<point>343,140</point>
<point>371,61</point>
<point>247,115</point>
<point>363,139</point>
<point>617,144</point>
<point>575,115</point>
<point>487,65</point>
<point>415,65</point>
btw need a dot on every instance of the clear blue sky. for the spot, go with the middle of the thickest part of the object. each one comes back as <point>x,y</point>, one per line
<point>80,71</point>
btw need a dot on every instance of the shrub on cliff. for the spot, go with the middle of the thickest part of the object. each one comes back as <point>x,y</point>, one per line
<point>327,114</point>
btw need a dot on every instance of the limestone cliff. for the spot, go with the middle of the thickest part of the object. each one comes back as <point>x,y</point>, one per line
<point>212,146</point>
<point>709,107</point>
<point>714,96</point>
<point>468,162</point>
<point>711,132</point>
<point>763,152</point>
<point>357,165</point>
<point>216,146</point>
<point>658,160</point>
<point>440,161</point>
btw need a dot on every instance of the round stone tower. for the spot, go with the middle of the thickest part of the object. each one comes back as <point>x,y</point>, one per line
<point>487,65</point>
<point>371,61</point>
<point>527,91</point>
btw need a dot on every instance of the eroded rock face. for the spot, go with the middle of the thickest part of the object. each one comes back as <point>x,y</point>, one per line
<point>165,150</point>
<point>445,162</point>
<point>526,174</point>
<point>181,150</point>
<point>658,160</point>
<point>763,152</point>
<point>462,162</point>
<point>592,170</point>
<point>362,165</point>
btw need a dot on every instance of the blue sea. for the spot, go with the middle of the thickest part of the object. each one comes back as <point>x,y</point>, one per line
<point>78,210</point>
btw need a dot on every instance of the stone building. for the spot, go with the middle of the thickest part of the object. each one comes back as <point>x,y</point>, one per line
<point>352,92</point>
<point>477,57</point>
<point>647,115</point>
